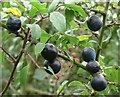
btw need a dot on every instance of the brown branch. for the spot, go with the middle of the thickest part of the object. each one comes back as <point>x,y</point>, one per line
<point>42,18</point>
<point>78,22</point>
<point>18,35</point>
<point>16,63</point>
<point>112,24</point>
<point>12,58</point>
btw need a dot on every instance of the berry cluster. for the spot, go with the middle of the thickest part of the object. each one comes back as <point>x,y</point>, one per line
<point>98,81</point>
<point>49,53</point>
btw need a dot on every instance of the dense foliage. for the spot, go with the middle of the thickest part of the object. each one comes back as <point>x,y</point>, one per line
<point>60,48</point>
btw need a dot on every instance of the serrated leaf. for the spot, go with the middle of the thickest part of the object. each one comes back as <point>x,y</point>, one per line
<point>13,10</point>
<point>59,21</point>
<point>53,5</point>
<point>83,37</point>
<point>38,48</point>
<point>61,87</point>
<point>35,31</point>
<point>77,8</point>
<point>23,75</point>
<point>75,84</point>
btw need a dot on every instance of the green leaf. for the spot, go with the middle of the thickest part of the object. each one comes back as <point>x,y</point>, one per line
<point>23,19</point>
<point>23,64</point>
<point>109,36</point>
<point>61,87</point>
<point>6,4</point>
<point>35,31</point>
<point>111,73</point>
<point>3,15</point>
<point>40,6</point>
<point>80,71</point>
<point>44,36</point>
<point>39,74</point>
<point>69,14</point>
<point>20,5</point>
<point>53,5</point>
<point>83,37</point>
<point>77,8</point>
<point>84,92</point>
<point>33,11</point>
<point>38,48</point>
<point>75,84</point>
<point>73,24</point>
<point>51,70</point>
<point>59,21</point>
<point>101,58</point>
<point>23,75</point>
<point>70,38</point>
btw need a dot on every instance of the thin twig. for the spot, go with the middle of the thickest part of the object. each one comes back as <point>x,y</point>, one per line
<point>42,18</point>
<point>17,34</point>
<point>74,62</point>
<point>12,58</point>
<point>78,22</point>
<point>16,63</point>
<point>30,57</point>
<point>112,83</point>
<point>113,24</point>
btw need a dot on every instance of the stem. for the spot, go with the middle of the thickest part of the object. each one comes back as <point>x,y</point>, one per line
<point>68,59</point>
<point>42,18</point>
<point>31,58</point>
<point>17,34</point>
<point>16,63</point>
<point>13,59</point>
<point>102,31</point>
